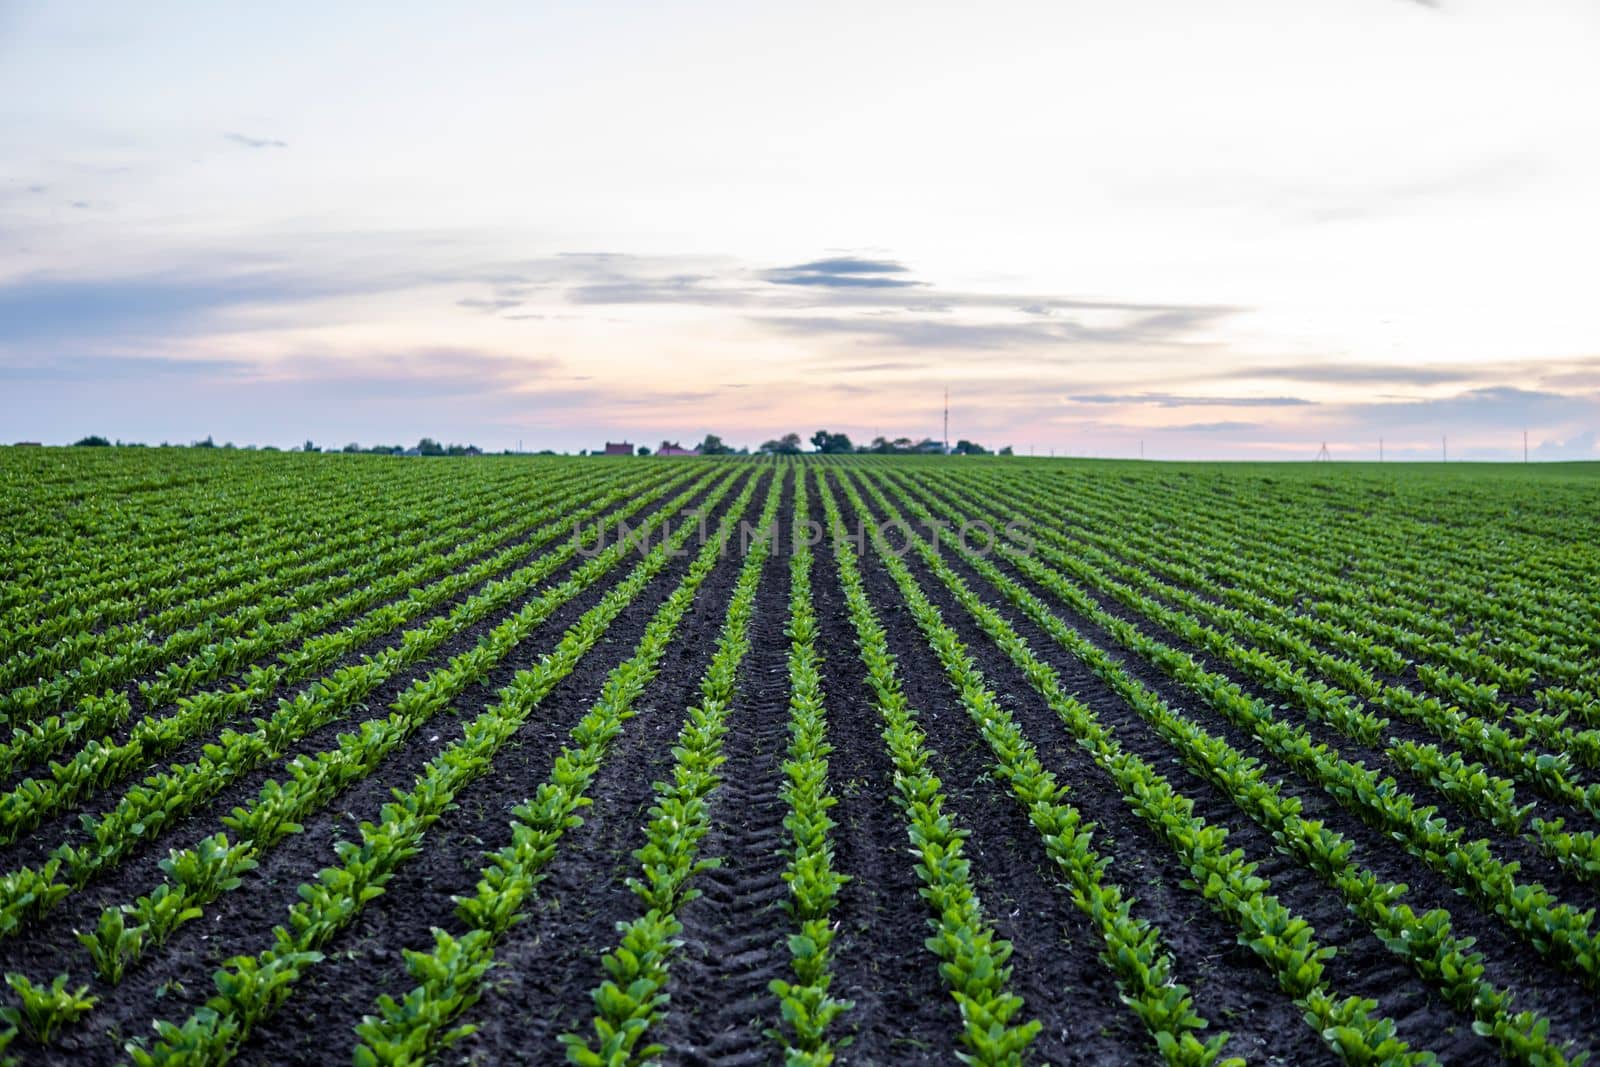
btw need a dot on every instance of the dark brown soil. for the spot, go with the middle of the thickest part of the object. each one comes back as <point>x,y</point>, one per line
<point>734,941</point>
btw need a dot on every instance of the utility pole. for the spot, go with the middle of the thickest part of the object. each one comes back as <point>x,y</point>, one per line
<point>1524,446</point>
<point>947,420</point>
<point>1380,450</point>
<point>1324,456</point>
<point>1444,448</point>
<point>1141,448</point>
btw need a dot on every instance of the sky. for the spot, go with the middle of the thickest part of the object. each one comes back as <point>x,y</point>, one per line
<point>1229,230</point>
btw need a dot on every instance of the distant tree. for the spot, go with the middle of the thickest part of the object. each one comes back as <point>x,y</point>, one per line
<point>832,442</point>
<point>928,447</point>
<point>787,445</point>
<point>1006,451</point>
<point>964,447</point>
<point>644,450</point>
<point>310,446</point>
<point>94,440</point>
<point>429,447</point>
<point>714,446</point>
<point>351,447</point>
<point>207,443</point>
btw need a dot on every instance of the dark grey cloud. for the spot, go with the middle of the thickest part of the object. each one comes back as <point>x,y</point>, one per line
<point>841,281</point>
<point>254,142</point>
<point>843,272</point>
<point>1174,400</point>
<point>850,265</point>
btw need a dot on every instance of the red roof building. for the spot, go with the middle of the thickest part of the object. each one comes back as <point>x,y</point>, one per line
<point>618,448</point>
<point>672,448</point>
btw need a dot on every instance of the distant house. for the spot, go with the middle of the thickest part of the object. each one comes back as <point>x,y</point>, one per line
<point>472,450</point>
<point>672,448</point>
<point>618,448</point>
<point>412,452</point>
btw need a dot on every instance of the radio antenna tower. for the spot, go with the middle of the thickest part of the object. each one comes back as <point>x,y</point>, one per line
<point>1324,455</point>
<point>947,420</point>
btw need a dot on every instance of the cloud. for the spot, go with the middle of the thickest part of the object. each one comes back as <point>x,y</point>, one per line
<point>1355,373</point>
<point>675,289</point>
<point>1583,374</point>
<point>1496,176</point>
<point>841,281</point>
<point>1166,326</point>
<point>1217,427</point>
<point>1501,407</point>
<point>491,305</point>
<point>1172,400</point>
<point>850,265</point>
<point>843,272</point>
<point>1585,445</point>
<point>254,142</point>
<point>42,310</point>
<point>81,369</point>
<point>433,371</point>
<point>919,333</point>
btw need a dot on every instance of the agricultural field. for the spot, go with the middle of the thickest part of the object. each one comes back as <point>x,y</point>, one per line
<point>358,759</point>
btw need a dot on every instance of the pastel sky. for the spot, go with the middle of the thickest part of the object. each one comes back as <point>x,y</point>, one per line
<point>1232,229</point>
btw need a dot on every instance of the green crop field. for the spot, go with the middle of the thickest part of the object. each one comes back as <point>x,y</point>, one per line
<point>380,760</point>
